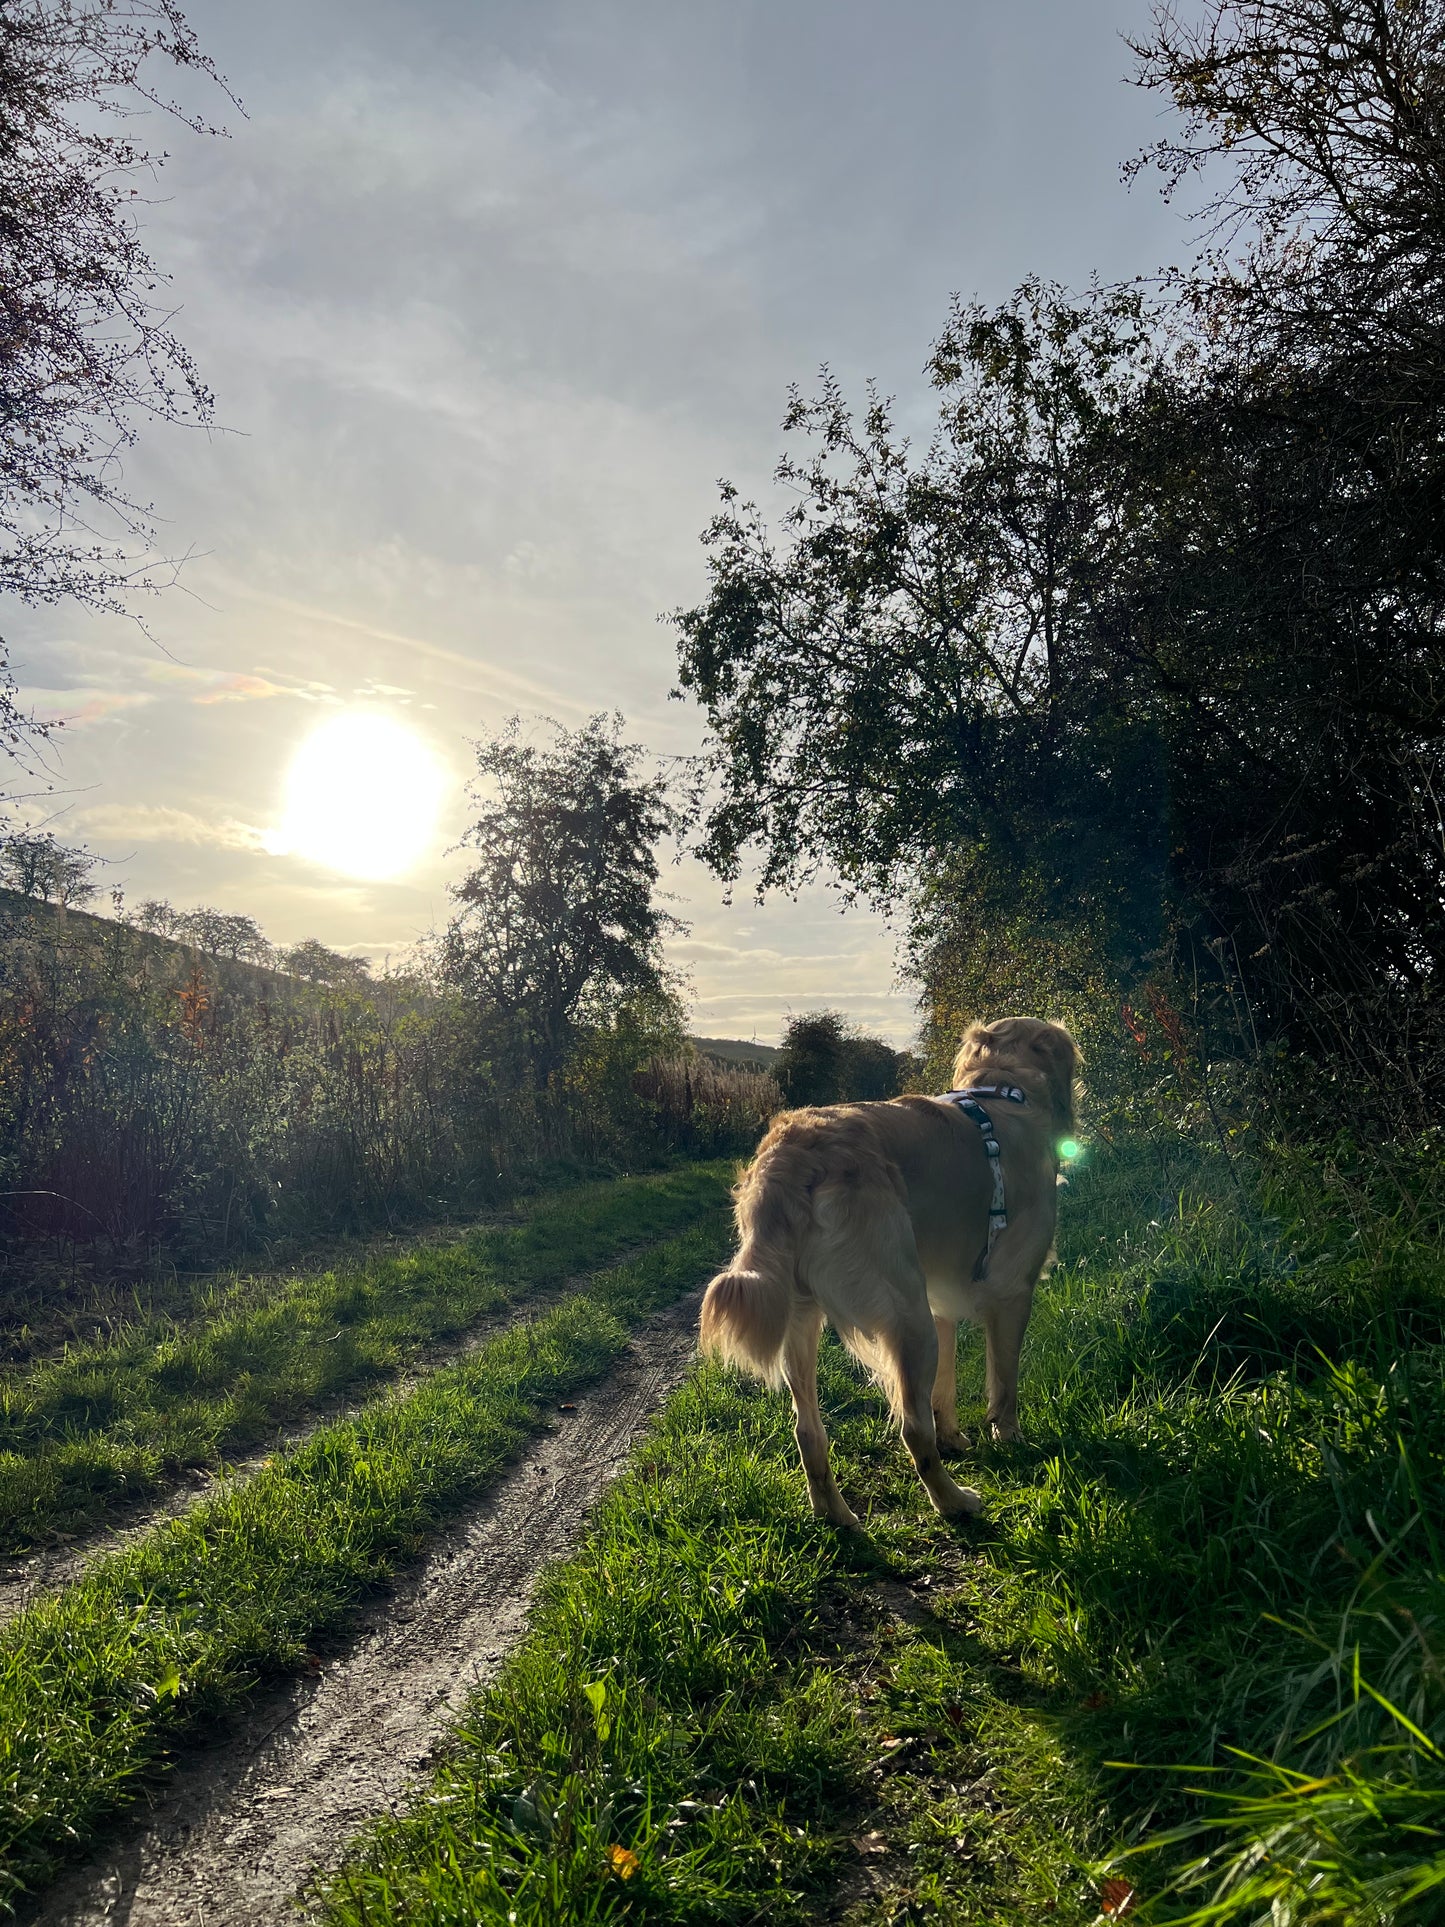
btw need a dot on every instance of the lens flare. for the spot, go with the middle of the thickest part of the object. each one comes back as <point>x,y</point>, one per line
<point>363,795</point>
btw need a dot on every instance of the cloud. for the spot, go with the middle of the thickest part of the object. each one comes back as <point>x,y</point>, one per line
<point>152,823</point>
<point>92,706</point>
<point>235,686</point>
<point>243,689</point>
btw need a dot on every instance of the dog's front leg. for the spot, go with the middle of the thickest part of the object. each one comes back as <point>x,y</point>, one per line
<point>945,1386</point>
<point>1004,1324</point>
<point>913,1345</point>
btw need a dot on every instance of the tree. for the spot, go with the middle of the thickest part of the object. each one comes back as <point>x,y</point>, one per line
<point>36,865</point>
<point>1151,635</point>
<point>313,961</point>
<point>87,350</point>
<point>822,1061</point>
<point>809,1068</point>
<point>222,933</point>
<point>914,666</point>
<point>155,915</point>
<point>557,919</point>
<point>1294,560</point>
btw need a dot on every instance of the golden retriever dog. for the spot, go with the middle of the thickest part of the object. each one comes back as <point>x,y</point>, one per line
<point>876,1218</point>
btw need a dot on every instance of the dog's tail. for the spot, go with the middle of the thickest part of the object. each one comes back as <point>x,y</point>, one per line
<point>748,1308</point>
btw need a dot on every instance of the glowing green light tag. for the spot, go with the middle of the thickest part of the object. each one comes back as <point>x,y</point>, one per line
<point>1069,1147</point>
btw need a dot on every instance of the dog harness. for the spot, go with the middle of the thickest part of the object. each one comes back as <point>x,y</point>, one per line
<point>967,1102</point>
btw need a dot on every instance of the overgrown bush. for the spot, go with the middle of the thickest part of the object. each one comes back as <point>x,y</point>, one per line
<point>152,1095</point>
<point>705,1107</point>
<point>824,1060</point>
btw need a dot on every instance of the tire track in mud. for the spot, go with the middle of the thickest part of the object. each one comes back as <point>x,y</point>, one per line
<point>243,1825</point>
<point>33,1575</point>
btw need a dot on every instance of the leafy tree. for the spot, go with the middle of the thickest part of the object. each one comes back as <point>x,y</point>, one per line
<point>37,865</point>
<point>1151,634</point>
<point>809,1068</point>
<point>557,919</point>
<point>1289,589</point>
<point>87,350</point>
<point>823,1062</point>
<point>914,666</point>
<point>222,933</point>
<point>872,1069</point>
<point>155,915</point>
<point>313,961</point>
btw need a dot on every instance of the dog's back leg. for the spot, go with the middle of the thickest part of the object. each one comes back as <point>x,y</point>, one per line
<point>945,1386</point>
<point>912,1344</point>
<point>800,1370</point>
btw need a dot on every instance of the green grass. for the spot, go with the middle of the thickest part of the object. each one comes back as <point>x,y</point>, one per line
<point>114,1421</point>
<point>98,1685</point>
<point>1204,1612</point>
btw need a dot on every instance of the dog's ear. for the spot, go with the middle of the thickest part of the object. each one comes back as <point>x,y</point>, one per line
<point>1059,1055</point>
<point>974,1047</point>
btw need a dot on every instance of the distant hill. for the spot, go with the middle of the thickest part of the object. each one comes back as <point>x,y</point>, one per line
<point>22,916</point>
<point>733,1050</point>
<point>166,958</point>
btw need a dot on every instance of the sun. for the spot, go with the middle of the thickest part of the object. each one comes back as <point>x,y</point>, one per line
<point>362,796</point>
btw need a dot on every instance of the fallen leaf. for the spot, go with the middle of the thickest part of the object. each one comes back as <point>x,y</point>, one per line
<point>1095,1701</point>
<point>956,1715</point>
<point>870,1845</point>
<point>567,1408</point>
<point>623,1862</point>
<point>1116,1896</point>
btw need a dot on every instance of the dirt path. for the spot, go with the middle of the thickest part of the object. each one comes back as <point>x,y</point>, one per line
<point>28,1576</point>
<point>231,1840</point>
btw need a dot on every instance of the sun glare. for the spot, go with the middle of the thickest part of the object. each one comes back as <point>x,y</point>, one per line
<point>362,796</point>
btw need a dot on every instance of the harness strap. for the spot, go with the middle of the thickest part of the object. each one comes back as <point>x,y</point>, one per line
<point>967,1102</point>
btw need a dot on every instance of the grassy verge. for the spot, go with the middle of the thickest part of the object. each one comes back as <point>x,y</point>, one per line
<point>1219,1542</point>
<point>114,1421</point>
<point>97,1685</point>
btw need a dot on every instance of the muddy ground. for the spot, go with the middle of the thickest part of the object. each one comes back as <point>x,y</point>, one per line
<point>235,1835</point>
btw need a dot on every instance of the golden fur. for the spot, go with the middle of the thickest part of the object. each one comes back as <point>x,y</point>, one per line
<point>872,1217</point>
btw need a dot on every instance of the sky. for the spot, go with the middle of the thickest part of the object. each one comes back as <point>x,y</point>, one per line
<point>491,294</point>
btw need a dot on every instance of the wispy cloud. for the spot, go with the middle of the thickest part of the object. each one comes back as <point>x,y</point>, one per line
<point>80,708</point>
<point>234,686</point>
<point>243,689</point>
<point>158,823</point>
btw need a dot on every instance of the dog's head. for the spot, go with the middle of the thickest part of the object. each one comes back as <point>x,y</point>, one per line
<point>1026,1049</point>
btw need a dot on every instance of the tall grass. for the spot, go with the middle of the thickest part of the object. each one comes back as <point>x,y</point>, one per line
<point>1189,1666</point>
<point>1237,1538</point>
<point>153,1097</point>
<point>705,1107</point>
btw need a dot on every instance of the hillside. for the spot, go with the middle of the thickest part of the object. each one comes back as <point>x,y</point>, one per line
<point>751,1056</point>
<point>24,917</point>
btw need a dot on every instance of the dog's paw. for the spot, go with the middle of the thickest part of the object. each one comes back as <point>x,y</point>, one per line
<point>962,1503</point>
<point>952,1442</point>
<point>1006,1435</point>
